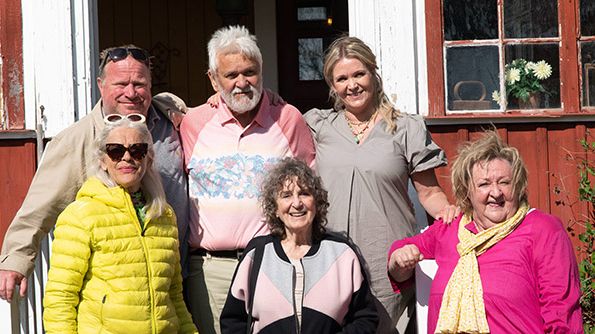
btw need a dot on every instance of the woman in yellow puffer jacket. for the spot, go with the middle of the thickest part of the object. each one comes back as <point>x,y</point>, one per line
<point>115,266</point>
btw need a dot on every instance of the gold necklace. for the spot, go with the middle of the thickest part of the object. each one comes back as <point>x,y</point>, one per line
<point>358,134</point>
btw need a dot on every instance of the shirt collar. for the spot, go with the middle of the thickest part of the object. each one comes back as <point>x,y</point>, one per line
<point>262,118</point>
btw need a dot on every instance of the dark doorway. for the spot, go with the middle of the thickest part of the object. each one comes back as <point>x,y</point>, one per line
<point>304,31</point>
<point>175,33</point>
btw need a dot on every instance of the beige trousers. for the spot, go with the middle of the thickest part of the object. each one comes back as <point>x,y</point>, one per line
<point>208,284</point>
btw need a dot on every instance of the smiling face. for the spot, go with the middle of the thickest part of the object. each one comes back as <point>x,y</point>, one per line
<point>126,172</point>
<point>125,87</point>
<point>491,193</point>
<point>238,79</point>
<point>354,85</point>
<point>296,208</point>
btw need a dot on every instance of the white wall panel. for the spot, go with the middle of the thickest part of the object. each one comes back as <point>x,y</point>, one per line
<point>57,62</point>
<point>391,29</point>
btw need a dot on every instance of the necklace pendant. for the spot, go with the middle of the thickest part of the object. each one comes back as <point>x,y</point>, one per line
<point>356,140</point>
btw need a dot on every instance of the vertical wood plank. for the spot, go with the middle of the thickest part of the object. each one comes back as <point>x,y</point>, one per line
<point>105,10</point>
<point>569,66</point>
<point>11,51</point>
<point>563,145</point>
<point>159,26</point>
<point>141,21</point>
<point>541,169</point>
<point>449,138</point>
<point>17,167</point>
<point>178,48</point>
<point>123,14</point>
<point>524,139</point>
<point>435,56</point>
<point>197,39</point>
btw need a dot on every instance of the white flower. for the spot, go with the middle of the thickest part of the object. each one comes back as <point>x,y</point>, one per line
<point>496,97</point>
<point>542,70</point>
<point>530,67</point>
<point>513,75</point>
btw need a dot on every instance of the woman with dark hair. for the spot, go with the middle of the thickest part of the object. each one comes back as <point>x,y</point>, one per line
<point>503,267</point>
<point>304,280</point>
<point>115,264</point>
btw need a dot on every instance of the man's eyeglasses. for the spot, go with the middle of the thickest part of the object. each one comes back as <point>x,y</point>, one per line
<point>137,151</point>
<point>133,117</point>
<point>118,54</point>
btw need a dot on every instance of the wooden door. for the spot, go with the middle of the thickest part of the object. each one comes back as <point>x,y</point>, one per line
<point>304,30</point>
<point>175,32</point>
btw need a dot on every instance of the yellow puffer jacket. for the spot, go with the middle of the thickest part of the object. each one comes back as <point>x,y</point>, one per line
<point>109,276</point>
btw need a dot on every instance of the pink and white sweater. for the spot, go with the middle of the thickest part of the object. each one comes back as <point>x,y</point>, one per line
<point>336,298</point>
<point>226,164</point>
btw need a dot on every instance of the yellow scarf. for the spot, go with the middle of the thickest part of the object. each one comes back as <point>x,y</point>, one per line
<point>462,309</point>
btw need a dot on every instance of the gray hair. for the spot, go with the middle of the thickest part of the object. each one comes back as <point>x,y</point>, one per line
<point>285,170</point>
<point>233,40</point>
<point>151,181</point>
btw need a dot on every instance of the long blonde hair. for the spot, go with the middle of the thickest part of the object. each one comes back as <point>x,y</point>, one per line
<point>353,47</point>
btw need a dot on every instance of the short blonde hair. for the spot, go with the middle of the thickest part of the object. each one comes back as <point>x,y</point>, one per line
<point>489,147</point>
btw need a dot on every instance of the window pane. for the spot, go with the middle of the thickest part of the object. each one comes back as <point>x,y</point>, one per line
<point>472,76</point>
<point>470,19</point>
<point>311,13</point>
<point>587,17</point>
<point>550,96</point>
<point>530,18</point>
<point>310,58</point>
<point>588,65</point>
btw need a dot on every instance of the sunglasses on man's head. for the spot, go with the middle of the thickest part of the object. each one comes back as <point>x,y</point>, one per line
<point>116,151</point>
<point>118,54</point>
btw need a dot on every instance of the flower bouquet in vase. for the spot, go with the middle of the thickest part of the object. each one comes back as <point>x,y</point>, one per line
<point>523,82</point>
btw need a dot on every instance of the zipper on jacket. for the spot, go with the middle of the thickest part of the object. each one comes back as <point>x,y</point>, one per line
<point>293,284</point>
<point>151,288</point>
<point>141,230</point>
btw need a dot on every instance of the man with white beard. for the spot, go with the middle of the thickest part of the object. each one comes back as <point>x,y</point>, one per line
<point>227,150</point>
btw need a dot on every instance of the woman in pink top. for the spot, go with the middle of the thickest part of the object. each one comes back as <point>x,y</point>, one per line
<point>502,267</point>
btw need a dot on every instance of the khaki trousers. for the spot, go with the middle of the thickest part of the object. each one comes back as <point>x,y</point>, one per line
<point>208,284</point>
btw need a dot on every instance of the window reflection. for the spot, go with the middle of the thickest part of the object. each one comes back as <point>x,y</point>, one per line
<point>530,18</point>
<point>466,20</point>
<point>472,76</point>
<point>311,13</point>
<point>588,72</point>
<point>587,10</point>
<point>535,53</point>
<point>310,58</point>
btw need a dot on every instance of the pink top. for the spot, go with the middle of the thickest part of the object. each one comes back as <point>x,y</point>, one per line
<point>226,164</point>
<point>530,278</point>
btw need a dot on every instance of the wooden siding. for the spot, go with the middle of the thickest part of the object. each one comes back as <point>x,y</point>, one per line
<point>12,116</point>
<point>175,32</point>
<point>550,152</point>
<point>17,167</point>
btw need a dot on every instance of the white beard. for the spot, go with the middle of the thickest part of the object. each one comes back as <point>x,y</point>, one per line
<point>244,103</point>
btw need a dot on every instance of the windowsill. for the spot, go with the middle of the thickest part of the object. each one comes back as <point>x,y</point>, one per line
<point>17,134</point>
<point>512,116</point>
